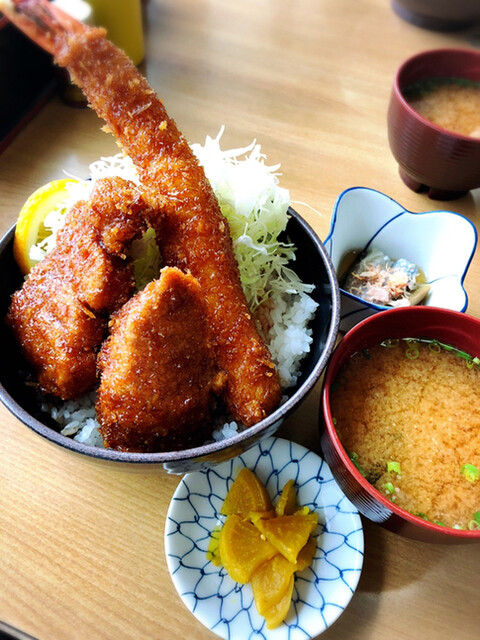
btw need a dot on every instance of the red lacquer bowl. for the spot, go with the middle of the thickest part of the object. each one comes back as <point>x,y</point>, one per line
<point>439,15</point>
<point>451,327</point>
<point>444,164</point>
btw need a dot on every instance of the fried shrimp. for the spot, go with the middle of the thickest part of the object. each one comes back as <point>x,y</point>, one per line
<point>193,234</point>
<point>60,315</point>
<point>158,375</point>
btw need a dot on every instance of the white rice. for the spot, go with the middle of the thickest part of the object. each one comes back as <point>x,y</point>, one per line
<point>290,337</point>
<point>283,306</point>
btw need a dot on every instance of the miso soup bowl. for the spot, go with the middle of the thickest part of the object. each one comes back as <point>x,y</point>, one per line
<point>441,163</point>
<point>439,15</point>
<point>447,326</point>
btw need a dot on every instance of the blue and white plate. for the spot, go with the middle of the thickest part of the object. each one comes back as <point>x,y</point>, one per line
<point>321,592</point>
<point>441,243</point>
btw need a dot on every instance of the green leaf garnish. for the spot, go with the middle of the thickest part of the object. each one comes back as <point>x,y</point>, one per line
<point>389,488</point>
<point>425,86</point>
<point>419,514</point>
<point>354,458</point>
<point>146,259</point>
<point>390,343</point>
<point>412,352</point>
<point>470,472</point>
<point>394,466</point>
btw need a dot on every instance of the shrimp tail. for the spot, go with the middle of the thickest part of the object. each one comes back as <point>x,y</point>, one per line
<point>43,22</point>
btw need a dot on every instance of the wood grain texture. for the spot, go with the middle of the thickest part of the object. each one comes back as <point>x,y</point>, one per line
<point>81,546</point>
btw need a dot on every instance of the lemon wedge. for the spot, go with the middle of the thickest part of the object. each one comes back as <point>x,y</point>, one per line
<point>30,227</point>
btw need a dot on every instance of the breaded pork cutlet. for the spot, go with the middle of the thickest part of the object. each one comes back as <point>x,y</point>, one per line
<point>158,376</point>
<point>60,315</point>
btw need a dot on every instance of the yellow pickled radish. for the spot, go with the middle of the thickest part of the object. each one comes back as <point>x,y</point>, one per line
<point>253,516</point>
<point>246,494</point>
<point>30,228</point>
<point>242,548</point>
<point>213,551</point>
<point>288,534</point>
<point>306,555</point>
<point>263,545</point>
<point>278,612</point>
<point>287,503</point>
<point>270,582</point>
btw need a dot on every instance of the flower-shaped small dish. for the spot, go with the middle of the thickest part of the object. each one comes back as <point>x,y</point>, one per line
<point>440,243</point>
<point>321,592</point>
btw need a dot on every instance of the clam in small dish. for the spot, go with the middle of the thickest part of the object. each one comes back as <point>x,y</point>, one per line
<point>433,248</point>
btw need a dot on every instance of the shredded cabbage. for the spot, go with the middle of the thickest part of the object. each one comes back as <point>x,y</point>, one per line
<point>146,259</point>
<point>256,208</point>
<point>55,218</point>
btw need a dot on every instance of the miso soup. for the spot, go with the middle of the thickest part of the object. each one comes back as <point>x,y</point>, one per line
<point>407,413</point>
<point>450,103</point>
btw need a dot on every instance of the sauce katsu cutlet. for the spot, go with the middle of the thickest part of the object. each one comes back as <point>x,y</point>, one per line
<point>158,374</point>
<point>60,315</point>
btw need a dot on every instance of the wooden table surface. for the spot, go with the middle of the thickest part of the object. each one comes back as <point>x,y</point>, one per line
<point>81,547</point>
